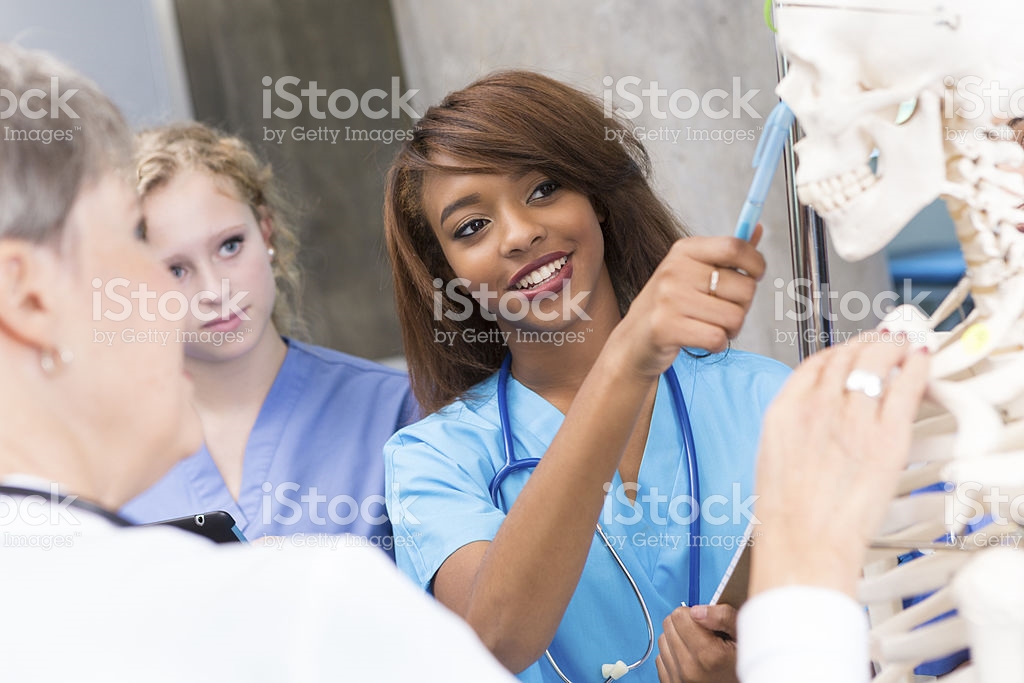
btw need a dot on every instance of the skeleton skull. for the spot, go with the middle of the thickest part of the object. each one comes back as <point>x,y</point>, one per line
<point>852,64</point>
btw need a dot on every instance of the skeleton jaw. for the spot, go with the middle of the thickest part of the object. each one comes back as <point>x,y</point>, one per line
<point>865,211</point>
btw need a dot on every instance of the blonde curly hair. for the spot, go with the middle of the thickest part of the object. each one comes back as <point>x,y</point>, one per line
<point>161,153</point>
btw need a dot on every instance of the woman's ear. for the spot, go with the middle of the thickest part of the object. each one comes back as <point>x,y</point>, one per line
<point>266,221</point>
<point>27,295</point>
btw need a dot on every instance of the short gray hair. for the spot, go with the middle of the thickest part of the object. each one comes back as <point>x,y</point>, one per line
<point>46,161</point>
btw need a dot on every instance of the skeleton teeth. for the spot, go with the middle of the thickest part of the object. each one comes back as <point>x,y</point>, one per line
<point>541,274</point>
<point>833,194</point>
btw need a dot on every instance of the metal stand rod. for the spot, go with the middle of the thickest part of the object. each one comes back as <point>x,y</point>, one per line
<point>809,252</point>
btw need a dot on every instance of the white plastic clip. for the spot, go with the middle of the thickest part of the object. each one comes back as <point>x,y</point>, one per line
<point>614,671</point>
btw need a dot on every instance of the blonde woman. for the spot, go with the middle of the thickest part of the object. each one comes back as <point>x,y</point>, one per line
<point>293,432</point>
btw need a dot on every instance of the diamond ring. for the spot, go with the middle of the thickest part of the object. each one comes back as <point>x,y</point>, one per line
<point>868,383</point>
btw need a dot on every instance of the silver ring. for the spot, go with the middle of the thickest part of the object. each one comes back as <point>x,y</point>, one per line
<point>713,287</point>
<point>867,383</point>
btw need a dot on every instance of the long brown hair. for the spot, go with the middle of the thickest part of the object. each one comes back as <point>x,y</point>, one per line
<point>513,122</point>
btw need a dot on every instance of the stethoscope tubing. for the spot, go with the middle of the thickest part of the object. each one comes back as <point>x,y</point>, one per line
<point>691,465</point>
<point>513,465</point>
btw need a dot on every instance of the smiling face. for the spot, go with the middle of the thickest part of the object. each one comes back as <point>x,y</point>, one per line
<point>206,236</point>
<point>524,240</point>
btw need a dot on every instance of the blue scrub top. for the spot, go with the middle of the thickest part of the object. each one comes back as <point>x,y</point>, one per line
<point>319,434</point>
<point>438,471</point>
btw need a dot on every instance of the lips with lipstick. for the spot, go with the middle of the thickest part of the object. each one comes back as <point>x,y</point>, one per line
<point>546,274</point>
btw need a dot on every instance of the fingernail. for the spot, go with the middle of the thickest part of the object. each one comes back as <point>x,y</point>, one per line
<point>699,611</point>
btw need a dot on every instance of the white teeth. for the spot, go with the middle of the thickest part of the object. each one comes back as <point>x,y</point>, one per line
<point>833,194</point>
<point>541,274</point>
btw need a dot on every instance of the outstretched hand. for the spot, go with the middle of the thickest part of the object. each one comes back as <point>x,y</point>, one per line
<point>823,443</point>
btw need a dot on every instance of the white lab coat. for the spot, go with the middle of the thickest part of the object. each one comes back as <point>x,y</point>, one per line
<point>802,634</point>
<point>84,600</point>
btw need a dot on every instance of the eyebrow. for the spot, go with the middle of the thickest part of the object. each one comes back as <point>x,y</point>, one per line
<point>220,236</point>
<point>468,200</point>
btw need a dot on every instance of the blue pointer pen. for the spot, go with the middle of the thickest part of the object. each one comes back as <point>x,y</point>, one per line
<point>766,160</point>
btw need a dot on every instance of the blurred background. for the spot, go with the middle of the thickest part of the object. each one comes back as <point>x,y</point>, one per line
<point>169,60</point>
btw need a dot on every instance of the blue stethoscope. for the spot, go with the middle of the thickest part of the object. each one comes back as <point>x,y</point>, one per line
<point>512,465</point>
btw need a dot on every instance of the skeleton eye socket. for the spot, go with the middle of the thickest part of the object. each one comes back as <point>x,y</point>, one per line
<point>906,111</point>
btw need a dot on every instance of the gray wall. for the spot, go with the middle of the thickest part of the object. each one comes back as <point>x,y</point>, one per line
<point>694,44</point>
<point>129,47</point>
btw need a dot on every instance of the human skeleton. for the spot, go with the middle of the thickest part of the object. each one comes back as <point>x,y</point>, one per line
<point>856,67</point>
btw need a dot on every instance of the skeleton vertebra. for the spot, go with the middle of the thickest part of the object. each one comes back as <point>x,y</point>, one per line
<point>853,67</point>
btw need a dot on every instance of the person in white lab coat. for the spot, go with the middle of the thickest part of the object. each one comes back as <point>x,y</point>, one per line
<point>95,406</point>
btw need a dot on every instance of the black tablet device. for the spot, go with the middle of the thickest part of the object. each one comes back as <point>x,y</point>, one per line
<point>217,526</point>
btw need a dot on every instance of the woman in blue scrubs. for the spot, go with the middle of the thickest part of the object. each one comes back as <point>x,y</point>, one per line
<point>521,224</point>
<point>293,432</point>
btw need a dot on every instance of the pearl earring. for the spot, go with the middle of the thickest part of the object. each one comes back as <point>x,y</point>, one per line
<point>48,360</point>
<point>271,252</point>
